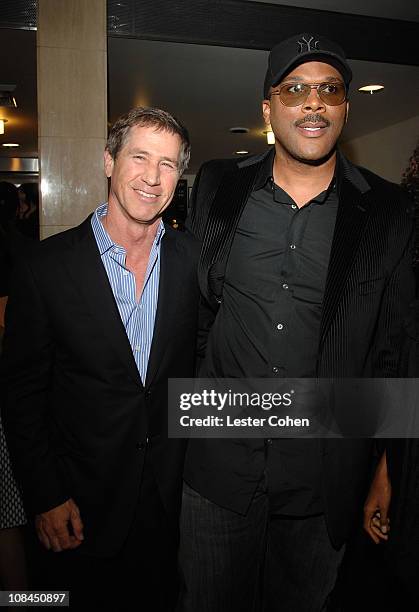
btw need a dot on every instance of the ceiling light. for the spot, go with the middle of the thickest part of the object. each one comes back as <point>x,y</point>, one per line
<point>241,152</point>
<point>10,144</point>
<point>238,130</point>
<point>6,96</point>
<point>2,122</point>
<point>371,88</point>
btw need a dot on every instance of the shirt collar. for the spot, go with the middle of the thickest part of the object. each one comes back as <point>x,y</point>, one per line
<point>161,230</point>
<point>266,170</point>
<point>103,239</point>
<point>265,174</point>
<point>344,169</point>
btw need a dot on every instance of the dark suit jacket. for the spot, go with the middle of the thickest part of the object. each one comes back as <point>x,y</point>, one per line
<point>77,416</point>
<point>369,286</point>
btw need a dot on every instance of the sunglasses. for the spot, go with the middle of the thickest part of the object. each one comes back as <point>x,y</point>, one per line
<point>294,94</point>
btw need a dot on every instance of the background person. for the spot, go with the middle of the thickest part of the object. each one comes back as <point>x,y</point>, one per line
<point>9,203</point>
<point>402,551</point>
<point>27,218</point>
<point>12,515</point>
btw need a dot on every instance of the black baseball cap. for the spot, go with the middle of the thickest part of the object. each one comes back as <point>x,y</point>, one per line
<point>302,48</point>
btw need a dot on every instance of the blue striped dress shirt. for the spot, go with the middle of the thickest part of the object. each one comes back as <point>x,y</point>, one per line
<point>137,317</point>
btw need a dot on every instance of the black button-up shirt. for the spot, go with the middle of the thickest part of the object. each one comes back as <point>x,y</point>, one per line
<point>269,321</point>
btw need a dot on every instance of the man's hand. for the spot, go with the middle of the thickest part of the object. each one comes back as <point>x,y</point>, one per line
<point>52,527</point>
<point>376,521</point>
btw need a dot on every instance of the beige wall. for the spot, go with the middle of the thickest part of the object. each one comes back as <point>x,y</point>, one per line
<point>72,110</point>
<point>385,151</point>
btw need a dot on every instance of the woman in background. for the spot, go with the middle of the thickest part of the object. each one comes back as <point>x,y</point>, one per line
<point>12,515</point>
<point>27,218</point>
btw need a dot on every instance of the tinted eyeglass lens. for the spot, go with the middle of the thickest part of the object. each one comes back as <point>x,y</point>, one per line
<point>332,93</point>
<point>293,94</point>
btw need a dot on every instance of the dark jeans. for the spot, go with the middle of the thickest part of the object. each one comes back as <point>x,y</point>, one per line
<point>235,563</point>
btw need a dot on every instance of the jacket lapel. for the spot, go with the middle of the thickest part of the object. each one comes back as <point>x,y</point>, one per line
<point>89,275</point>
<point>223,218</point>
<point>351,220</point>
<point>170,264</point>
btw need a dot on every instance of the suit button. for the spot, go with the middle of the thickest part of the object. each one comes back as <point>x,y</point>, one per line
<point>148,394</point>
<point>140,446</point>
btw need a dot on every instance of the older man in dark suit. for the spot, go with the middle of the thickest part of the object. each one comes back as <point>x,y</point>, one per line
<point>305,271</point>
<point>95,326</point>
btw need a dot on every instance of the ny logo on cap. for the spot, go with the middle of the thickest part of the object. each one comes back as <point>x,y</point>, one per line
<point>307,45</point>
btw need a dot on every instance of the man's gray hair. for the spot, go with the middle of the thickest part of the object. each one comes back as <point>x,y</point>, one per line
<point>147,116</point>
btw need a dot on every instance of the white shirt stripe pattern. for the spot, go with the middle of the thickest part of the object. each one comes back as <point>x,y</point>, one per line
<point>137,317</point>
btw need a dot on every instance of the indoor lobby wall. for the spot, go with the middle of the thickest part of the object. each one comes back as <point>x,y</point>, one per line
<point>386,151</point>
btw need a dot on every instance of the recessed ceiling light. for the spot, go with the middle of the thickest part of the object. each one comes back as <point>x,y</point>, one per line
<point>371,88</point>
<point>10,144</point>
<point>238,130</point>
<point>241,152</point>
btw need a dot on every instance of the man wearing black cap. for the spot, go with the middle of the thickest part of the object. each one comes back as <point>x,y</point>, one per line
<point>304,272</point>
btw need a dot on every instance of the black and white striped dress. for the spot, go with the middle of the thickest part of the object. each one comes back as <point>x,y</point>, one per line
<point>12,513</point>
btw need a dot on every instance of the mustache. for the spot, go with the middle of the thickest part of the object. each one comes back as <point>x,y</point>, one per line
<point>312,118</point>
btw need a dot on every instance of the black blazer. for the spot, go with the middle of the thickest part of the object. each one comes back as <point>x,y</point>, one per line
<point>369,286</point>
<point>77,417</point>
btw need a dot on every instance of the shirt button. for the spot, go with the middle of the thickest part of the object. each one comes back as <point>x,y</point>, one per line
<point>294,206</point>
<point>125,273</point>
<point>292,246</point>
<point>275,369</point>
<point>285,286</point>
<point>269,441</point>
<point>137,348</point>
<point>279,326</point>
